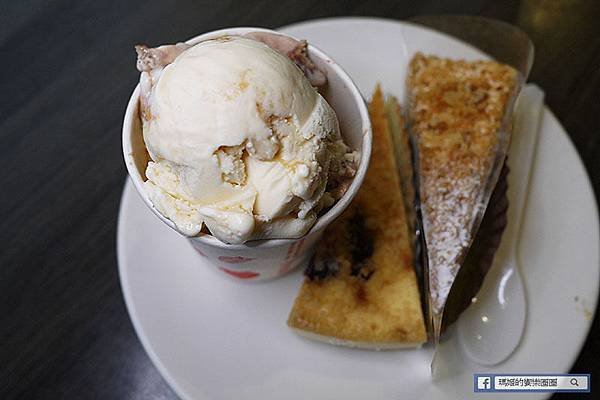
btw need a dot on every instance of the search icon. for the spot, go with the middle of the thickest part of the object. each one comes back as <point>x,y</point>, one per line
<point>574,382</point>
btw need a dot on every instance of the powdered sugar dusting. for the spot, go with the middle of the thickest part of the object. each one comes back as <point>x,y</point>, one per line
<point>448,216</point>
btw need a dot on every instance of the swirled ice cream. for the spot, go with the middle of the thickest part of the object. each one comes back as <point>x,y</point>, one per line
<point>239,140</point>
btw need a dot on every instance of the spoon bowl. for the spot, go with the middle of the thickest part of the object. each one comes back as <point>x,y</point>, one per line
<point>491,328</point>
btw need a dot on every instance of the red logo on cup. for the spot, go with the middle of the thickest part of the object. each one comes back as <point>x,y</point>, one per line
<point>240,274</point>
<point>235,260</point>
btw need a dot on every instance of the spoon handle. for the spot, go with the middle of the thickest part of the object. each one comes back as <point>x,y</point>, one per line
<point>528,115</point>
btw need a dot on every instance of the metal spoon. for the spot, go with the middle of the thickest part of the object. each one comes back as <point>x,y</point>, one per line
<point>491,328</point>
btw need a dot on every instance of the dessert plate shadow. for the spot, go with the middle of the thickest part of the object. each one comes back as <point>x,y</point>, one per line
<point>215,338</point>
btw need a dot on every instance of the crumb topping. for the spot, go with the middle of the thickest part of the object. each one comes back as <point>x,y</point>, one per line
<point>456,112</point>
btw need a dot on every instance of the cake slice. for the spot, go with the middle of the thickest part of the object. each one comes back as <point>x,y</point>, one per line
<point>361,289</point>
<point>458,113</point>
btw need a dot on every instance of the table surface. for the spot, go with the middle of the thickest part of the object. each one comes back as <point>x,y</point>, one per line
<point>68,73</point>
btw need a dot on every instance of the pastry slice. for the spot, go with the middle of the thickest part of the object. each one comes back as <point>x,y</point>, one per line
<point>361,289</point>
<point>458,113</point>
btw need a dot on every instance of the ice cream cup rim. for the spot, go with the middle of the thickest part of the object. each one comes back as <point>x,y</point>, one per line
<point>324,220</point>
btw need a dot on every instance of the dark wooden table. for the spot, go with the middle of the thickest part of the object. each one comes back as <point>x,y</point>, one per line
<point>68,70</point>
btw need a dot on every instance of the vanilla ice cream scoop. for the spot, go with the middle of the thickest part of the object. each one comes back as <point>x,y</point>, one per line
<point>239,140</point>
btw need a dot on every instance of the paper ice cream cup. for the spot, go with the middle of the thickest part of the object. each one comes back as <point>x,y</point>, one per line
<point>260,260</point>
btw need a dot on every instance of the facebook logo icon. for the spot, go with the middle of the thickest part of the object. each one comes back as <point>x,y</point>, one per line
<point>483,383</point>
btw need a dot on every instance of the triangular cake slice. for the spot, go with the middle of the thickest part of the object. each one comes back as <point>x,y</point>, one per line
<point>458,113</point>
<point>361,289</point>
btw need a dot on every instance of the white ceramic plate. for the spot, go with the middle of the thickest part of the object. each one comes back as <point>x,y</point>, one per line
<point>215,338</point>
